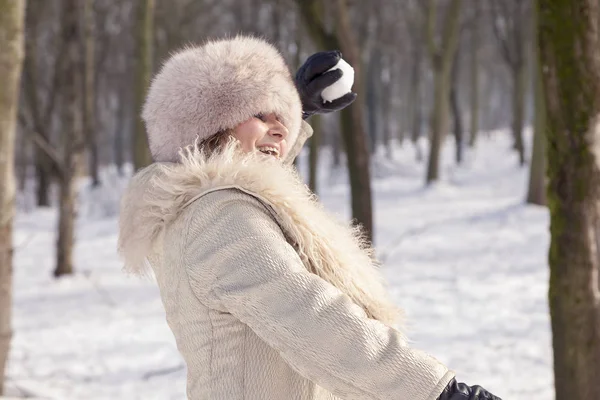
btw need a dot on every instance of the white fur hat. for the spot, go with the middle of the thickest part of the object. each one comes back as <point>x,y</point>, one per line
<point>203,90</point>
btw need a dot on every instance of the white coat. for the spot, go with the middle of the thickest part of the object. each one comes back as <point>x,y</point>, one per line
<point>267,294</point>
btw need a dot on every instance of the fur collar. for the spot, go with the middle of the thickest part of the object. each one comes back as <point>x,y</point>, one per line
<point>331,249</point>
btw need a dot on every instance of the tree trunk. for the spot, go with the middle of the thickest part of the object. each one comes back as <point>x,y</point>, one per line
<point>518,103</point>
<point>386,106</point>
<point>22,164</point>
<point>351,118</point>
<point>277,14</point>
<point>536,193</point>
<point>456,117</point>
<point>373,97</point>
<point>570,54</point>
<point>336,149</point>
<point>415,100</point>
<point>12,17</point>
<point>41,121</point>
<point>74,144</point>
<point>442,62</point>
<point>89,108</point>
<point>120,132</point>
<point>353,128</point>
<point>145,35</point>
<point>439,119</point>
<point>42,171</point>
<point>474,122</point>
<point>313,158</point>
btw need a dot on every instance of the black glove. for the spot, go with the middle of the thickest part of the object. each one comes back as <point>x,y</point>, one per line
<point>460,391</point>
<point>312,78</point>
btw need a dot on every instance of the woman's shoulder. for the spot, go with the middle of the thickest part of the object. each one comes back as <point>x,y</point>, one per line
<point>229,202</point>
<point>230,215</point>
<point>226,195</point>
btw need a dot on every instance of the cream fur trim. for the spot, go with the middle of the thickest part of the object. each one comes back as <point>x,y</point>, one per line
<point>328,248</point>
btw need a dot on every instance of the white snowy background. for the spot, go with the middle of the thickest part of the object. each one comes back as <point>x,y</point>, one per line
<point>466,258</point>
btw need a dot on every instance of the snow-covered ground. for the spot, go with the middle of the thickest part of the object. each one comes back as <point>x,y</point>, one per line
<point>466,258</point>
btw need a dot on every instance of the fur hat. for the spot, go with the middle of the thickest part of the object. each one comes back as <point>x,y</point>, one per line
<point>203,90</point>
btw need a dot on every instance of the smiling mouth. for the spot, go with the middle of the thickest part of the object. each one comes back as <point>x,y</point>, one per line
<point>270,151</point>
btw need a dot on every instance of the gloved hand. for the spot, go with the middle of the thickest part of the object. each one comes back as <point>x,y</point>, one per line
<point>460,391</point>
<point>312,78</point>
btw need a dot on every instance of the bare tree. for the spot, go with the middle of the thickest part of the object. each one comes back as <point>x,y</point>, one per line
<point>40,87</point>
<point>145,40</point>
<point>373,98</point>
<point>89,98</point>
<point>386,106</point>
<point>455,108</point>
<point>536,192</point>
<point>441,52</point>
<point>12,15</point>
<point>73,141</point>
<point>569,42</point>
<point>511,27</point>
<point>313,155</point>
<point>474,83</point>
<point>414,22</point>
<point>352,120</point>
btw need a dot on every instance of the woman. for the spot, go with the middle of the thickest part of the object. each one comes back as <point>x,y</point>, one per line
<point>267,295</point>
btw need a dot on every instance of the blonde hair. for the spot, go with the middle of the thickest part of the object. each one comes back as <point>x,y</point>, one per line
<point>216,141</point>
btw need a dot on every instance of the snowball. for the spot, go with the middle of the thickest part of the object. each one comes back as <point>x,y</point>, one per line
<point>342,86</point>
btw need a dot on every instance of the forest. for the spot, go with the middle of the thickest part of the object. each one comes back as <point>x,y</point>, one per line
<point>473,118</point>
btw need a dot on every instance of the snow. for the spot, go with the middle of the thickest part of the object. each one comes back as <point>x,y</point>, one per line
<point>342,85</point>
<point>465,258</point>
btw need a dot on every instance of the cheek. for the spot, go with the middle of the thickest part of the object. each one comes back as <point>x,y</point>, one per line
<point>248,133</point>
<point>284,149</point>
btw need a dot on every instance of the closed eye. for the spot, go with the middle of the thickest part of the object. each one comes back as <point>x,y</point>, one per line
<point>264,118</point>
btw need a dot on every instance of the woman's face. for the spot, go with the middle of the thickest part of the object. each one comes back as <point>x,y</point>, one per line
<point>263,133</point>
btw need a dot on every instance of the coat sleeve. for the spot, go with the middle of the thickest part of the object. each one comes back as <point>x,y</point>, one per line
<point>238,258</point>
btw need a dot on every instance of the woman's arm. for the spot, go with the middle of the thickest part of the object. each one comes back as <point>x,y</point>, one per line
<point>238,258</point>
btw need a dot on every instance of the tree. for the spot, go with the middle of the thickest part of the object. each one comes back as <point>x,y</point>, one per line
<point>313,155</point>
<point>73,140</point>
<point>442,55</point>
<point>41,74</point>
<point>89,107</point>
<point>414,21</point>
<point>352,119</point>
<point>474,84</point>
<point>570,55</point>
<point>536,192</point>
<point>373,98</point>
<point>510,24</point>
<point>12,16</point>
<point>455,107</point>
<point>145,40</point>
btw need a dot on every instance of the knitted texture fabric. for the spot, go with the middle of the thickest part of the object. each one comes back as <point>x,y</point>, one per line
<point>267,295</point>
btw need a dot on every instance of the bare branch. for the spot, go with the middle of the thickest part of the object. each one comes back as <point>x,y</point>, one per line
<point>452,17</point>
<point>44,145</point>
<point>30,86</point>
<point>55,82</point>
<point>502,38</point>
<point>310,13</point>
<point>431,16</point>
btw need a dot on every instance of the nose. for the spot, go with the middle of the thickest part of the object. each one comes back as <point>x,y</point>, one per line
<point>277,129</point>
